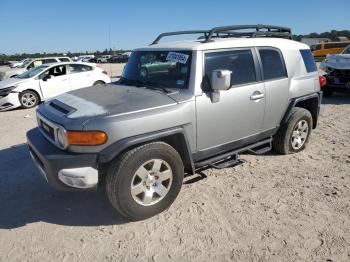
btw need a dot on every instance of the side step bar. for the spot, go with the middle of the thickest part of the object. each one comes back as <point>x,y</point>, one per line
<point>231,159</point>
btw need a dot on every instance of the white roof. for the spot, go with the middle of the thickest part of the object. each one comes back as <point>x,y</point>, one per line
<point>219,43</point>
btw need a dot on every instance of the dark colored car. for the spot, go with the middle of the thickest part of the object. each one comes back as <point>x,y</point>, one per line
<point>121,58</point>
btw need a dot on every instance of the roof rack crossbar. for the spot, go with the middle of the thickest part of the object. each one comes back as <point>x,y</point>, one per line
<point>192,32</point>
<point>231,31</point>
<point>275,30</point>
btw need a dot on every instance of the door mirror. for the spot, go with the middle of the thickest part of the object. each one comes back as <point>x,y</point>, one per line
<point>46,77</point>
<point>221,80</point>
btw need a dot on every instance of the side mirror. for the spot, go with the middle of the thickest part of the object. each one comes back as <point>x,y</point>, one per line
<point>221,80</point>
<point>46,77</point>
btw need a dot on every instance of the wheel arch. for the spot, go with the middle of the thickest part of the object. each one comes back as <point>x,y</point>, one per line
<point>174,137</point>
<point>310,103</point>
<point>34,91</point>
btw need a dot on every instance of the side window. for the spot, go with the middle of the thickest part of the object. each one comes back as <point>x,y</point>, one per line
<point>240,62</point>
<point>56,71</point>
<point>336,45</point>
<point>49,60</point>
<point>272,63</point>
<point>75,68</point>
<point>63,59</point>
<point>309,60</point>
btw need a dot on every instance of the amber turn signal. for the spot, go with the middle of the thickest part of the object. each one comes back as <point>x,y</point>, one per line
<point>86,138</point>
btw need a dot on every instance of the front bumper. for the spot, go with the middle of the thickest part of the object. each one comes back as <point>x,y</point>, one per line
<point>62,170</point>
<point>10,101</point>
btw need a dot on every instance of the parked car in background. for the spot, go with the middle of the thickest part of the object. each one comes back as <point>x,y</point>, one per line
<point>103,59</point>
<point>48,80</point>
<point>119,58</point>
<point>18,64</point>
<point>337,68</point>
<point>29,64</point>
<point>3,63</point>
<point>84,58</point>
<point>321,50</point>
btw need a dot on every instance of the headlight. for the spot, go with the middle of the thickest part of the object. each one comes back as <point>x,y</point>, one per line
<point>62,137</point>
<point>7,90</point>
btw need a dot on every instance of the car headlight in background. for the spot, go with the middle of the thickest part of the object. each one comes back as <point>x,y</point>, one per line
<point>7,90</point>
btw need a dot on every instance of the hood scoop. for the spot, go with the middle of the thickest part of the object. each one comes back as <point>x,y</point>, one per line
<point>61,107</point>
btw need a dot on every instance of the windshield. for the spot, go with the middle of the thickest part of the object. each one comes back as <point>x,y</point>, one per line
<point>346,51</point>
<point>32,72</point>
<point>25,63</point>
<point>165,69</point>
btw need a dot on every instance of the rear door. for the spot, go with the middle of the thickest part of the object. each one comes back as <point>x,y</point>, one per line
<point>276,82</point>
<point>80,76</point>
<point>238,115</point>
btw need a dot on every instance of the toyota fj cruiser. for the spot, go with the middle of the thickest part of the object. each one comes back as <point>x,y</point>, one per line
<point>178,107</point>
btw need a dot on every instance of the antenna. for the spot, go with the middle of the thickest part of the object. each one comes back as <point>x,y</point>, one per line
<point>109,44</point>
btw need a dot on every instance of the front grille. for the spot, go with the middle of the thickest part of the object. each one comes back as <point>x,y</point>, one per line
<point>47,129</point>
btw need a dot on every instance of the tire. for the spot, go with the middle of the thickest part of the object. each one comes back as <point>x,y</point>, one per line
<point>137,169</point>
<point>327,92</point>
<point>28,99</point>
<point>99,82</point>
<point>286,141</point>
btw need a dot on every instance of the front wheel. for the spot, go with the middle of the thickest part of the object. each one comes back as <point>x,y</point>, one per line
<point>293,136</point>
<point>28,99</point>
<point>145,181</point>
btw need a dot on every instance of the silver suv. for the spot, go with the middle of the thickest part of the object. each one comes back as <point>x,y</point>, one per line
<point>179,107</point>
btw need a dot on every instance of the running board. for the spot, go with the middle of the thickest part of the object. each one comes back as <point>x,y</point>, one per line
<point>231,159</point>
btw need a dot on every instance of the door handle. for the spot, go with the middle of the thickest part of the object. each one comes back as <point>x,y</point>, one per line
<point>64,79</point>
<point>256,96</point>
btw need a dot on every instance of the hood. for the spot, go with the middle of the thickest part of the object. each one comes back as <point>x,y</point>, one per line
<point>337,61</point>
<point>10,82</point>
<point>110,100</point>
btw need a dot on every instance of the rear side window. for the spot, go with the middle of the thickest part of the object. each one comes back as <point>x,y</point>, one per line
<point>272,63</point>
<point>309,60</point>
<point>73,69</point>
<point>240,62</point>
<point>63,59</point>
<point>49,60</point>
<point>336,45</point>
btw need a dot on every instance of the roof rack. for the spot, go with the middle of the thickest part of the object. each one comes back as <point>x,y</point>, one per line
<point>234,31</point>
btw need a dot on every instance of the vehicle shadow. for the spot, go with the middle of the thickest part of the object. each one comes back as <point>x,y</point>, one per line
<point>26,198</point>
<point>337,99</point>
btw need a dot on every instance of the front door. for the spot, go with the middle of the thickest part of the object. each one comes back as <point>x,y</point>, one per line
<point>54,81</point>
<point>238,115</point>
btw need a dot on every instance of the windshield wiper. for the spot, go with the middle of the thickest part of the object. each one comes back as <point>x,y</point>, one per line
<point>146,84</point>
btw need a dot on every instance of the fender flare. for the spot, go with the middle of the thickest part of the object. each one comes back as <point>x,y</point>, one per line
<point>115,149</point>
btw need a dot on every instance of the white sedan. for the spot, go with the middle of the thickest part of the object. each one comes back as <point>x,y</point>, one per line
<point>46,81</point>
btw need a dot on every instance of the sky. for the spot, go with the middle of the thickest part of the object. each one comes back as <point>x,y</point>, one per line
<point>83,25</point>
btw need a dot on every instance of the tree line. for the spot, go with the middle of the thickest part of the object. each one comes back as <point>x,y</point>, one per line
<point>333,34</point>
<point>19,57</point>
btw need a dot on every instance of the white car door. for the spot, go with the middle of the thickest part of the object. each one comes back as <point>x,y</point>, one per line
<point>54,81</point>
<point>80,76</point>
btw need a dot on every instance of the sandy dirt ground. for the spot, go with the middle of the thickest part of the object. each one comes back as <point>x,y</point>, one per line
<point>271,208</point>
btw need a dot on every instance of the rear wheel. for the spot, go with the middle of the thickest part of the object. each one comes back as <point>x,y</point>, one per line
<point>145,181</point>
<point>99,82</point>
<point>28,99</point>
<point>293,136</point>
